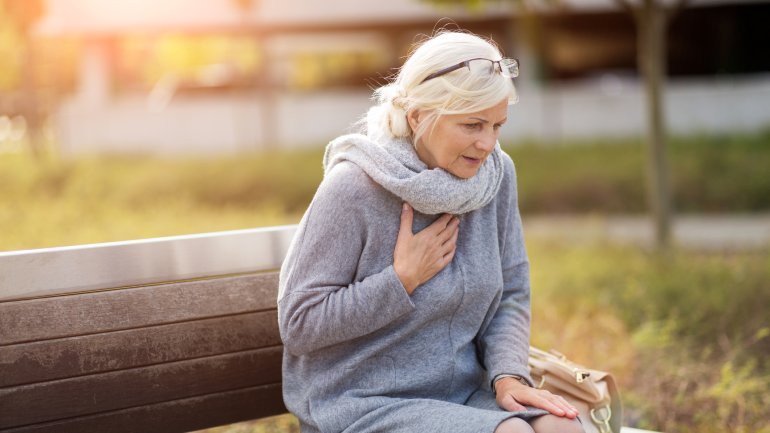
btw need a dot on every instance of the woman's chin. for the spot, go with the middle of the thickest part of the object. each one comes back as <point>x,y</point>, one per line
<point>464,173</point>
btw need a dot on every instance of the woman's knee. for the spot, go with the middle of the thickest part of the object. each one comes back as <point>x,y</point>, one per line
<point>513,425</point>
<point>556,424</point>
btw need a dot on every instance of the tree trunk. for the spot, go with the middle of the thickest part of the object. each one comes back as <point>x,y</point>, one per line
<point>30,108</point>
<point>651,52</point>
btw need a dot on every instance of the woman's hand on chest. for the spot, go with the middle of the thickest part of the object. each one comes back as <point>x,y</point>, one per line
<point>418,257</point>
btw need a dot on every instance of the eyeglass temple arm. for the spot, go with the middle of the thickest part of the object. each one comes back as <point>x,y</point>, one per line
<point>445,71</point>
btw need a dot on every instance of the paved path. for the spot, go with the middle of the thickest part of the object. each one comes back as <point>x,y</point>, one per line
<point>717,232</point>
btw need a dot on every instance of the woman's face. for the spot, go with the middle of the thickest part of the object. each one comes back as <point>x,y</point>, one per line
<point>459,143</point>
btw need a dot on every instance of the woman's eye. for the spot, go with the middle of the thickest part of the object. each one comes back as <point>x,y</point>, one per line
<point>473,126</point>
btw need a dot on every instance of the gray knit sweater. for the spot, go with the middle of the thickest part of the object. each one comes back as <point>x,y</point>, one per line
<point>362,355</point>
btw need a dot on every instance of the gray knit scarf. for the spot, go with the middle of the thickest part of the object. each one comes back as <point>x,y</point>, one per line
<point>393,163</point>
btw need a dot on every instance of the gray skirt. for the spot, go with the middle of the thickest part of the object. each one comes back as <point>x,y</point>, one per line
<point>480,414</point>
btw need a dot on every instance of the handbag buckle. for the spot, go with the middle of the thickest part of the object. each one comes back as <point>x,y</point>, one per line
<point>581,375</point>
<point>601,417</point>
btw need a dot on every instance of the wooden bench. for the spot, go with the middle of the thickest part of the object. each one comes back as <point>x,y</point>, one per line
<point>158,335</point>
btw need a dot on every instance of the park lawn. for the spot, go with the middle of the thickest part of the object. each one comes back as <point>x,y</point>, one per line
<point>105,199</point>
<point>109,198</point>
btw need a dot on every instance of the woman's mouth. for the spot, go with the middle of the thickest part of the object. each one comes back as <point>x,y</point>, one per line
<point>472,161</point>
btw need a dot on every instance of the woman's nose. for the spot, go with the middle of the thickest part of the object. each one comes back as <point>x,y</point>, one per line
<point>487,142</point>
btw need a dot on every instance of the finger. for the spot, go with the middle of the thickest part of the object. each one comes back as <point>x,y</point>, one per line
<point>565,410</point>
<point>447,259</point>
<point>550,406</point>
<point>560,402</point>
<point>446,234</point>
<point>570,410</point>
<point>440,224</point>
<point>450,245</point>
<point>441,262</point>
<point>510,404</point>
<point>407,218</point>
<point>451,227</point>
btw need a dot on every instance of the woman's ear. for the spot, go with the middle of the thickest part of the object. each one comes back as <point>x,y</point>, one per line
<point>413,117</point>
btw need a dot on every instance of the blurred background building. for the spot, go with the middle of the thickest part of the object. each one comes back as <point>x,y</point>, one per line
<point>228,76</point>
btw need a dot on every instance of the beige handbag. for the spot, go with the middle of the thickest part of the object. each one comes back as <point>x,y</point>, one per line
<point>592,392</point>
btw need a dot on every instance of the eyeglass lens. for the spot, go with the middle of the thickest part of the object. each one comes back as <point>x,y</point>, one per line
<point>507,67</point>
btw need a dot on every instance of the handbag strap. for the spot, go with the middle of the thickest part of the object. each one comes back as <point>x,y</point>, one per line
<point>608,416</point>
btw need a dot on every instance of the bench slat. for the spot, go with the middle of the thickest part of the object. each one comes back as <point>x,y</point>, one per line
<point>175,416</point>
<point>89,313</point>
<point>92,394</point>
<point>28,363</point>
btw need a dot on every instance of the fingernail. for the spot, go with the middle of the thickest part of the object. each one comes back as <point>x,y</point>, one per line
<point>404,207</point>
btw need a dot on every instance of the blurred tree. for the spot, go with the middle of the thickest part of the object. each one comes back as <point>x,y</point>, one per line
<point>23,15</point>
<point>10,73</point>
<point>268,98</point>
<point>651,18</point>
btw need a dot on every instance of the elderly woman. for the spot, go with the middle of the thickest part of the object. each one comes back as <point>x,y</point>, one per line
<point>404,299</point>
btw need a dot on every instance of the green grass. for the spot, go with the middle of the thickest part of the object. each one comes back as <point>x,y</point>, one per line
<point>709,174</point>
<point>115,198</point>
<point>685,333</point>
<point>96,199</point>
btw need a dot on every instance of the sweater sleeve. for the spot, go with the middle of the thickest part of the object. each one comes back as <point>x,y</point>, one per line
<point>505,342</point>
<point>320,303</point>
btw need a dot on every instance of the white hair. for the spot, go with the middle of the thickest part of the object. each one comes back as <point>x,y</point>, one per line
<point>457,92</point>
